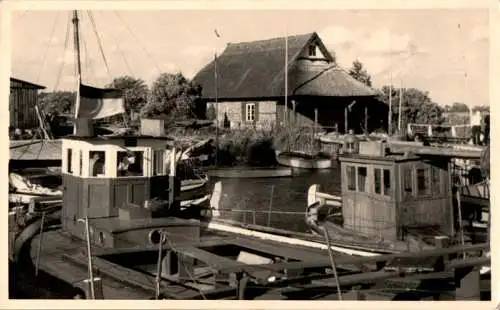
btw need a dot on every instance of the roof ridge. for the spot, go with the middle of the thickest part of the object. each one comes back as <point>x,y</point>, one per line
<point>274,38</point>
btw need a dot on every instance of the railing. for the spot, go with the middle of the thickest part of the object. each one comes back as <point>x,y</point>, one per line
<point>251,216</point>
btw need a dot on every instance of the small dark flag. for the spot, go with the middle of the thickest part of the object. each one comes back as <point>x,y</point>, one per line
<point>216,33</point>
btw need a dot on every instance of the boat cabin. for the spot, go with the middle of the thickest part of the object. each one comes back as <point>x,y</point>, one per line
<point>394,196</point>
<point>121,183</point>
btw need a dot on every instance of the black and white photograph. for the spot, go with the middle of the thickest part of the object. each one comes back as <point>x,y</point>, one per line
<point>210,152</point>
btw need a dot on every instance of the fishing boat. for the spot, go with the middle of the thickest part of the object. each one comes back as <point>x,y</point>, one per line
<point>126,236</point>
<point>389,202</point>
<point>296,159</point>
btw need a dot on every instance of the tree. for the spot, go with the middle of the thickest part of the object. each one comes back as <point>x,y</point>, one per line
<point>458,107</point>
<point>359,73</point>
<point>57,102</point>
<point>416,107</point>
<point>135,92</point>
<point>172,95</point>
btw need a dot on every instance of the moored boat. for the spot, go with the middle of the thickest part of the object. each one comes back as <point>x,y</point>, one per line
<point>303,160</point>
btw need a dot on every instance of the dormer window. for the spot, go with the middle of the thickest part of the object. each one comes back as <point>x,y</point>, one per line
<point>312,50</point>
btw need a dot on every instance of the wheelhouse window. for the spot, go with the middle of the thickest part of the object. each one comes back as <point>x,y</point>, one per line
<point>96,163</point>
<point>130,163</point>
<point>423,186</point>
<point>436,180</point>
<point>158,162</point>
<point>362,178</point>
<point>250,112</point>
<point>351,178</point>
<point>69,160</point>
<point>408,182</point>
<point>382,181</point>
<point>80,162</point>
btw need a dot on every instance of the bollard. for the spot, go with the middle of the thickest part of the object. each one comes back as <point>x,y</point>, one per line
<point>98,289</point>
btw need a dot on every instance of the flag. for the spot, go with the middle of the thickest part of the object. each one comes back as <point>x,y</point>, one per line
<point>97,103</point>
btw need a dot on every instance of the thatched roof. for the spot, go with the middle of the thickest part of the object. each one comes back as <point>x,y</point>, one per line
<point>257,70</point>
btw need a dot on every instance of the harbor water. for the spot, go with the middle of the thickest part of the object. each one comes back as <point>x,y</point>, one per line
<point>287,194</point>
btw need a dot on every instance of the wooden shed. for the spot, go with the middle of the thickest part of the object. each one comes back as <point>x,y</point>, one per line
<point>23,99</point>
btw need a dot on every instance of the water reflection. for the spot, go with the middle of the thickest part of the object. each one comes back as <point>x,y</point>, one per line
<point>289,194</point>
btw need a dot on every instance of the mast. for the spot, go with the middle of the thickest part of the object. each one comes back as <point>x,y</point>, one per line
<point>76,39</point>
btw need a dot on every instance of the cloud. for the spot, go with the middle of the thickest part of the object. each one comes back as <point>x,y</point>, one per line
<point>383,41</point>
<point>336,35</point>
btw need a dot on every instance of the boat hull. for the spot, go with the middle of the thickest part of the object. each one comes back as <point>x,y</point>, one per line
<point>297,160</point>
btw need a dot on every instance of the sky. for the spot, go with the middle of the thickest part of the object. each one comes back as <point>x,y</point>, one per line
<point>442,51</point>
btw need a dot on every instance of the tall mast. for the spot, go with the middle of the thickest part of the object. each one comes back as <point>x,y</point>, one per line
<point>76,37</point>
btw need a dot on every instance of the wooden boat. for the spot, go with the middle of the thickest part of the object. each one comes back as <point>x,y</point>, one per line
<point>249,172</point>
<point>384,208</point>
<point>303,160</point>
<point>126,237</point>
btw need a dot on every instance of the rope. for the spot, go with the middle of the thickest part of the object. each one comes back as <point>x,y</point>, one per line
<point>91,16</point>
<point>133,34</point>
<point>117,42</point>
<point>87,58</point>
<point>66,41</point>
<point>47,47</point>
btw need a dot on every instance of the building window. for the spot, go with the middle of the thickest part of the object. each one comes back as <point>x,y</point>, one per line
<point>351,178</point>
<point>423,181</point>
<point>69,160</point>
<point>362,173</point>
<point>96,163</point>
<point>408,182</point>
<point>158,162</point>
<point>130,163</point>
<point>250,112</point>
<point>312,50</point>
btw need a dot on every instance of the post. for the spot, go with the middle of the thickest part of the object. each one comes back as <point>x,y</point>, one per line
<point>39,250</point>
<point>216,78</point>
<point>89,258</point>
<point>270,206</point>
<point>346,127</point>
<point>171,178</point>
<point>460,225</point>
<point>400,106</point>
<point>332,262</point>
<point>158,267</point>
<point>293,110</point>
<point>315,122</point>
<point>366,119</point>
<point>389,125</point>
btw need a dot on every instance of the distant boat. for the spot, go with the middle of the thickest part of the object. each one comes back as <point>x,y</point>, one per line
<point>250,172</point>
<point>296,159</point>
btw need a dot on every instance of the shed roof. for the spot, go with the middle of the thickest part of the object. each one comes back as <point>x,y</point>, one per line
<point>25,84</point>
<point>257,70</point>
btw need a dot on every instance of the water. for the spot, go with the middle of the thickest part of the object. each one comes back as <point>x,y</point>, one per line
<point>289,194</point>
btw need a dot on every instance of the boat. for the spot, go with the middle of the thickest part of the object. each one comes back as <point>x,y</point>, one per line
<point>128,237</point>
<point>296,159</point>
<point>250,172</point>
<point>390,203</point>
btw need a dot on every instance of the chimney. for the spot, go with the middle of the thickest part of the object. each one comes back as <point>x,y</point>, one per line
<point>152,127</point>
<point>84,127</point>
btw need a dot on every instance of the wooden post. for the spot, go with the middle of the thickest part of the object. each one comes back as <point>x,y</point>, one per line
<point>315,122</point>
<point>366,119</point>
<point>39,250</point>
<point>294,115</point>
<point>158,266</point>
<point>346,127</point>
<point>270,206</point>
